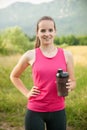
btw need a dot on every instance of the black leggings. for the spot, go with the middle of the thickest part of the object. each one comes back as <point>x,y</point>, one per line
<point>53,120</point>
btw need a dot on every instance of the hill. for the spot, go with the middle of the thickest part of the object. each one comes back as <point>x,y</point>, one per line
<point>70,16</point>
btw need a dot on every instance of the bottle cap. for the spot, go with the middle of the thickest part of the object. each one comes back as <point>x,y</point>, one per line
<point>60,70</point>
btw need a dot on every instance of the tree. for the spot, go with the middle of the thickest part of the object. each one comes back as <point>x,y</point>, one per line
<point>14,40</point>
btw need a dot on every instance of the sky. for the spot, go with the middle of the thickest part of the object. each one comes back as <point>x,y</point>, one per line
<point>5,3</point>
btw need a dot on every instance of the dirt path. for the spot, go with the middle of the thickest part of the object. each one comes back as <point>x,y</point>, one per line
<point>5,126</point>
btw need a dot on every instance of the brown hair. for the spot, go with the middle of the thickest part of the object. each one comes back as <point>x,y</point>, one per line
<point>37,43</point>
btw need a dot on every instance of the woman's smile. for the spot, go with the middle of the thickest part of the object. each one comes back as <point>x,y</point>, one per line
<point>47,38</point>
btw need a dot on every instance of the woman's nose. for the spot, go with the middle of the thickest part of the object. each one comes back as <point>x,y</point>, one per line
<point>46,33</point>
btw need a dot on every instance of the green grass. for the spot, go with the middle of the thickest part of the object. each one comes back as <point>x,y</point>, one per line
<point>13,103</point>
<point>76,102</point>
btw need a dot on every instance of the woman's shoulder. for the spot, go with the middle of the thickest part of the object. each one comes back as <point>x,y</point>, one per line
<point>67,52</point>
<point>68,55</point>
<point>29,56</point>
<point>29,53</point>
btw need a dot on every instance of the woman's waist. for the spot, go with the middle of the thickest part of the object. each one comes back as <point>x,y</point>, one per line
<point>46,105</point>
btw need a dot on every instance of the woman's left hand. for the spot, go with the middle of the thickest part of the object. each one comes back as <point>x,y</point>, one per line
<point>69,85</point>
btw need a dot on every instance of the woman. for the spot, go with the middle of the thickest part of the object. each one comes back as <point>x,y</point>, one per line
<point>44,104</point>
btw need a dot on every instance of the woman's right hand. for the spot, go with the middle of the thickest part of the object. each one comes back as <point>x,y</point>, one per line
<point>33,92</point>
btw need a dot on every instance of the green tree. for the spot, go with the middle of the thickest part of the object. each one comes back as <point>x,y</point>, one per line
<point>63,40</point>
<point>56,40</point>
<point>72,40</point>
<point>82,40</point>
<point>14,40</point>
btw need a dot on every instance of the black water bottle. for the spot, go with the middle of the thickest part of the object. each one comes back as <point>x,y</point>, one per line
<point>62,79</point>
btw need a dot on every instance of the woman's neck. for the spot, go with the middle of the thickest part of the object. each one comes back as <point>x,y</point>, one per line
<point>49,51</point>
<point>48,48</point>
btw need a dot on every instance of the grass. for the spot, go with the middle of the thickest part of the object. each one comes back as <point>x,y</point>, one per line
<point>13,103</point>
<point>77,100</point>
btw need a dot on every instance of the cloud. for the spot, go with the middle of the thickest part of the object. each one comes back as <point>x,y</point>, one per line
<point>5,3</point>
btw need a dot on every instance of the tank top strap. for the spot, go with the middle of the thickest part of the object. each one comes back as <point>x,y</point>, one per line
<point>37,53</point>
<point>61,54</point>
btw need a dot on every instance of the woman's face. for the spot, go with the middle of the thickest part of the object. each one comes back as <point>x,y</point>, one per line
<point>46,32</point>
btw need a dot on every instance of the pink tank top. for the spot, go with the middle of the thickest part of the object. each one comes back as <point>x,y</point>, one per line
<point>44,72</point>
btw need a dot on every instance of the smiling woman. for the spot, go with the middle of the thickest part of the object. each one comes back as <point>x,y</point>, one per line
<point>44,104</point>
<point>5,3</point>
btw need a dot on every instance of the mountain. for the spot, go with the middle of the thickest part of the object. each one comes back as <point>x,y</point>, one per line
<point>70,16</point>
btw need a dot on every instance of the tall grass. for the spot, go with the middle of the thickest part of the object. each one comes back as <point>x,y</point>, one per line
<point>76,101</point>
<point>13,103</point>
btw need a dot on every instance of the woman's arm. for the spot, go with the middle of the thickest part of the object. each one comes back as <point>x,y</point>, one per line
<point>70,69</point>
<point>16,73</point>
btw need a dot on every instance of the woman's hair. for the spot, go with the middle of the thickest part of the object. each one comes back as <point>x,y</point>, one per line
<point>37,43</point>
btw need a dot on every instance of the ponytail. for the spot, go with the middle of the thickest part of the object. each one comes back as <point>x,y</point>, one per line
<point>37,43</point>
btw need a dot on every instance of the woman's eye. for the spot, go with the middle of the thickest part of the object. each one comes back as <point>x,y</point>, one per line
<point>43,30</point>
<point>50,30</point>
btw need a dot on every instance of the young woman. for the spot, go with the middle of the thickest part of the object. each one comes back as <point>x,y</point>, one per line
<point>44,105</point>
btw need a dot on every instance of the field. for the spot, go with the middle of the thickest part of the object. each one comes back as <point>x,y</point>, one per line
<point>13,103</point>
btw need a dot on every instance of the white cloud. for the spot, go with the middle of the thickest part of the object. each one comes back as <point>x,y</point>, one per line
<point>5,3</point>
